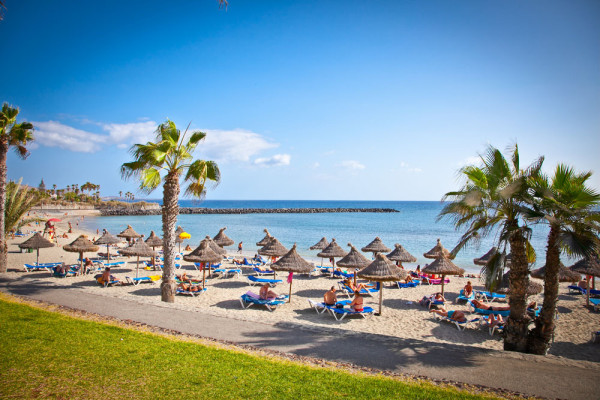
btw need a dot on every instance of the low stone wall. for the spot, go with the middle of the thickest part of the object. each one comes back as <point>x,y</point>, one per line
<point>200,210</point>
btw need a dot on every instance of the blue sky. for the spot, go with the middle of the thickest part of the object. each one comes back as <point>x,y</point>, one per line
<point>359,100</point>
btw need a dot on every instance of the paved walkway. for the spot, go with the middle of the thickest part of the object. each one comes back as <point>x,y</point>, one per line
<point>532,375</point>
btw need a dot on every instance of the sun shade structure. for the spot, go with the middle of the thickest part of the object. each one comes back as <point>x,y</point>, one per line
<point>320,245</point>
<point>483,260</point>
<point>589,266</point>
<point>443,266</point>
<point>400,255</point>
<point>564,274</point>
<point>273,249</point>
<point>129,233</point>
<point>36,242</point>
<point>139,249</point>
<point>107,239</point>
<point>376,246</point>
<point>437,251</point>
<point>354,259</point>
<point>504,287</point>
<point>221,238</point>
<point>214,247</point>
<point>81,245</point>
<point>204,254</point>
<point>382,270</point>
<point>154,241</point>
<point>292,262</point>
<point>333,250</point>
<point>265,241</point>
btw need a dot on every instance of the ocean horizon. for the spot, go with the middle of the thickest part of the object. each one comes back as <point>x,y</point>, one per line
<point>414,226</point>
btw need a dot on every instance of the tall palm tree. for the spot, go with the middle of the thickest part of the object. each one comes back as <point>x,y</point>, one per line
<point>568,206</point>
<point>495,198</point>
<point>171,156</point>
<point>17,136</point>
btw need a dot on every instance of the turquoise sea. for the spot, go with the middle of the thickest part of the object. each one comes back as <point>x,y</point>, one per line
<point>414,226</point>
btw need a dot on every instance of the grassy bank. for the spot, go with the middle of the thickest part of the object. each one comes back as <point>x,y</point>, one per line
<point>46,354</point>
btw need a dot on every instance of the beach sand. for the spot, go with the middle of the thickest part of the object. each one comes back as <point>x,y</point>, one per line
<point>402,316</point>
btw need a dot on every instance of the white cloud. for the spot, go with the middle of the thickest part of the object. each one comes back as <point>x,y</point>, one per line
<point>55,134</point>
<point>351,164</point>
<point>316,165</point>
<point>127,134</point>
<point>405,167</point>
<point>275,161</point>
<point>233,145</point>
<point>469,161</point>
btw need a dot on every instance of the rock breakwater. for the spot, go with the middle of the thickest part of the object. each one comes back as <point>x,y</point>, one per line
<point>200,210</point>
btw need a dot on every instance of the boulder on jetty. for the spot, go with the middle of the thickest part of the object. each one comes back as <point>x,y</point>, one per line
<point>202,210</point>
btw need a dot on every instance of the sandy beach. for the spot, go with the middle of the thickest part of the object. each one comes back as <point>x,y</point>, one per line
<point>402,316</point>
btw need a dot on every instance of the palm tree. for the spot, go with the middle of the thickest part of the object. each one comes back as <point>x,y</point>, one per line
<point>495,197</point>
<point>120,194</point>
<point>19,200</point>
<point>17,136</point>
<point>172,156</point>
<point>567,205</point>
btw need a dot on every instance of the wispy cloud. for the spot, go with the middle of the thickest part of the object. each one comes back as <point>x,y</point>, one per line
<point>407,168</point>
<point>276,161</point>
<point>316,165</point>
<point>124,135</point>
<point>55,134</point>
<point>352,165</point>
<point>469,161</point>
<point>234,145</point>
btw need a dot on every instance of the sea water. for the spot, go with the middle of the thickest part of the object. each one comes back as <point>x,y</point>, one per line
<point>415,227</point>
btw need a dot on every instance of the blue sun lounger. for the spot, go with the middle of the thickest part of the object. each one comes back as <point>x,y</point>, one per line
<point>142,279</point>
<point>481,311</point>
<point>460,325</point>
<point>341,313</point>
<point>320,307</point>
<point>255,280</point>
<point>250,298</point>
<point>259,271</point>
<point>595,303</point>
<point>40,267</point>
<point>340,274</point>
<point>223,272</point>
<point>576,289</point>
<point>490,296</point>
<point>404,285</point>
<point>462,297</point>
<point>365,292</point>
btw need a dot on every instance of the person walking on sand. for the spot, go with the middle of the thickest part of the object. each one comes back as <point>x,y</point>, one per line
<point>240,247</point>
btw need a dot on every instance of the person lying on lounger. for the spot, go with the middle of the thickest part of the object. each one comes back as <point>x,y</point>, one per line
<point>468,289</point>
<point>483,306</point>
<point>184,278</point>
<point>455,315</point>
<point>495,320</point>
<point>357,302</point>
<point>188,287</point>
<point>329,297</point>
<point>266,293</point>
<point>348,282</point>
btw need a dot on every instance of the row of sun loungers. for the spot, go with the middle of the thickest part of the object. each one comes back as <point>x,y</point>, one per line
<point>339,311</point>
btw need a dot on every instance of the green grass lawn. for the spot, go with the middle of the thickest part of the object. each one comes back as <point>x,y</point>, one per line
<point>50,355</point>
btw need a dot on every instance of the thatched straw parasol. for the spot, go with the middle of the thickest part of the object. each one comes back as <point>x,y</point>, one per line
<point>589,266</point>
<point>376,246</point>
<point>221,238</point>
<point>333,250</point>
<point>504,287</point>
<point>564,274</point>
<point>129,233</point>
<point>139,249</point>
<point>382,270</point>
<point>354,259</point>
<point>400,255</point>
<point>265,241</point>
<point>437,251</point>
<point>215,247</point>
<point>81,245</point>
<point>107,239</point>
<point>154,241</point>
<point>273,249</point>
<point>36,242</point>
<point>320,245</point>
<point>292,262</point>
<point>203,254</point>
<point>442,266</point>
<point>483,260</point>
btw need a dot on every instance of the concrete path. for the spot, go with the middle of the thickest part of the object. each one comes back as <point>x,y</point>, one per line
<point>532,375</point>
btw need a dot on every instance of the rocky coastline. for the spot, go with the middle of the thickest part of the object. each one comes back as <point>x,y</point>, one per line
<point>201,210</point>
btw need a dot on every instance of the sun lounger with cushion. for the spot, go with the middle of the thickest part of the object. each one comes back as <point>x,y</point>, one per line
<point>343,274</point>
<point>142,279</point>
<point>255,280</point>
<point>258,271</point>
<point>320,307</point>
<point>341,313</point>
<point>576,289</point>
<point>595,303</point>
<point>462,297</point>
<point>403,285</point>
<point>250,298</point>
<point>40,267</point>
<point>594,292</point>
<point>192,293</point>
<point>364,291</point>
<point>504,313</point>
<point>490,296</point>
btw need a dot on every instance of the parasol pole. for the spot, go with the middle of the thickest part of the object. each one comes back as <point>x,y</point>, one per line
<point>443,276</point>
<point>137,266</point>
<point>37,259</point>
<point>380,297</point>
<point>290,296</point>
<point>80,263</point>
<point>107,253</point>
<point>203,274</point>
<point>587,291</point>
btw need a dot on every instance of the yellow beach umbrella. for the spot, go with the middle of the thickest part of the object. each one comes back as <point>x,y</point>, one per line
<point>182,236</point>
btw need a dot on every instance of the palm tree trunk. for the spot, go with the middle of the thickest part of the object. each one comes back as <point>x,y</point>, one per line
<point>539,337</point>
<point>3,246</point>
<point>170,210</point>
<point>515,332</point>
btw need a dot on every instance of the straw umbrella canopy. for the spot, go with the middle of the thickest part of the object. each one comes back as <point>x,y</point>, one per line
<point>564,274</point>
<point>333,250</point>
<point>203,254</point>
<point>354,259</point>
<point>81,245</point>
<point>107,239</point>
<point>504,288</point>
<point>273,249</point>
<point>376,246</point>
<point>36,242</point>
<point>221,238</point>
<point>443,266</point>
<point>215,247</point>
<point>265,241</point>
<point>589,266</point>
<point>292,262</point>
<point>320,245</point>
<point>483,260</point>
<point>179,239</point>
<point>139,249</point>
<point>382,270</point>
<point>129,234</point>
<point>437,251</point>
<point>154,241</point>
<point>400,255</point>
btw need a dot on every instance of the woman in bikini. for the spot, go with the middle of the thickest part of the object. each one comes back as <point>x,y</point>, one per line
<point>357,303</point>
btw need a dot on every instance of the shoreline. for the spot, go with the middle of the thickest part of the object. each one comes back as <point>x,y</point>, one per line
<point>203,210</point>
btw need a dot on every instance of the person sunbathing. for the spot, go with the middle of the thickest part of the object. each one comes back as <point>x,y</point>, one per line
<point>184,278</point>
<point>266,293</point>
<point>329,297</point>
<point>88,264</point>
<point>468,289</point>
<point>357,302</point>
<point>107,277</point>
<point>408,279</point>
<point>454,315</point>
<point>189,287</point>
<point>482,306</point>
<point>495,320</point>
